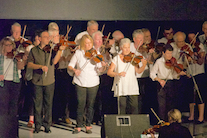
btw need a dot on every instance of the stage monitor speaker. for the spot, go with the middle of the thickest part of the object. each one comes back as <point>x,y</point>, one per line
<point>125,126</point>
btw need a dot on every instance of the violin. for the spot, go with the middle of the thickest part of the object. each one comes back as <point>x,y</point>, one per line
<point>187,49</point>
<point>155,128</point>
<point>92,54</point>
<point>146,47</point>
<point>172,63</point>
<point>15,55</point>
<point>129,57</point>
<point>25,43</point>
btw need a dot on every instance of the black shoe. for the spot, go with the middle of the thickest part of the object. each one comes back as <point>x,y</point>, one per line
<point>199,122</point>
<point>36,131</point>
<point>48,131</point>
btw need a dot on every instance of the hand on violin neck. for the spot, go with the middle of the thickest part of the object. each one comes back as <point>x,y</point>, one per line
<point>144,61</point>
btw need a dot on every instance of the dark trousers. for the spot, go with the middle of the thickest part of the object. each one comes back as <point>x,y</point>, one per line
<point>166,99</point>
<point>43,98</point>
<point>63,90</point>
<point>129,104</point>
<point>9,95</point>
<point>85,97</point>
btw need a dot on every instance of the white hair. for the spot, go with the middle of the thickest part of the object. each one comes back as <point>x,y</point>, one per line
<point>179,33</point>
<point>52,25</point>
<point>15,24</point>
<point>124,41</point>
<point>97,33</point>
<point>137,32</point>
<point>91,22</point>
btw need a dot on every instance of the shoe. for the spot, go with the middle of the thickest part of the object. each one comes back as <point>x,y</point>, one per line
<point>88,130</point>
<point>77,130</point>
<point>67,120</point>
<point>199,122</point>
<point>36,131</point>
<point>30,124</point>
<point>48,130</point>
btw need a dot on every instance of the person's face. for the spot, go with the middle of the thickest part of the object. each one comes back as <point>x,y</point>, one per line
<point>180,42</point>
<point>55,37</point>
<point>16,32</point>
<point>191,36</point>
<point>88,44</point>
<point>168,33</point>
<point>44,39</point>
<point>91,29</point>
<point>36,41</point>
<point>204,29</point>
<point>147,37</point>
<point>8,46</point>
<point>167,55</point>
<point>138,40</point>
<point>98,41</point>
<point>125,49</point>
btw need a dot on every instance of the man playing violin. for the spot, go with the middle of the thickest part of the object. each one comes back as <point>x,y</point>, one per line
<point>92,26</point>
<point>63,81</point>
<point>165,77</point>
<point>43,80</point>
<point>168,35</point>
<point>117,36</point>
<point>143,78</point>
<point>16,36</point>
<point>125,82</point>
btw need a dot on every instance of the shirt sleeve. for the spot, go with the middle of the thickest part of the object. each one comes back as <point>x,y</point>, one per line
<point>31,57</point>
<point>73,60</point>
<point>153,73</point>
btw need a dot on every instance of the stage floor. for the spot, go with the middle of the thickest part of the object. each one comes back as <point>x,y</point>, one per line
<point>63,130</point>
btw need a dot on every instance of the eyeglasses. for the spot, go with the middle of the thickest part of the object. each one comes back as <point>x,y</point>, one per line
<point>9,45</point>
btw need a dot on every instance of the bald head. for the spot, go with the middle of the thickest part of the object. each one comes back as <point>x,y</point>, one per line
<point>179,39</point>
<point>117,35</point>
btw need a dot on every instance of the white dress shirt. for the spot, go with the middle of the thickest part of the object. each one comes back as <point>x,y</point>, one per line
<point>89,76</point>
<point>161,71</point>
<point>145,73</point>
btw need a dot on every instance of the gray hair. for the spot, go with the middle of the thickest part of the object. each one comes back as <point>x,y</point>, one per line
<point>15,24</point>
<point>137,32</point>
<point>91,22</point>
<point>52,31</point>
<point>114,35</point>
<point>52,25</point>
<point>204,23</point>
<point>145,30</point>
<point>98,33</point>
<point>176,35</point>
<point>124,41</point>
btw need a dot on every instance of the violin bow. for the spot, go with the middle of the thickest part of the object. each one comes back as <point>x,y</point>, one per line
<point>68,30</point>
<point>160,121</point>
<point>102,28</point>
<point>158,32</point>
<point>49,59</point>
<point>194,38</point>
<point>195,84</point>
<point>25,26</point>
<point>105,43</point>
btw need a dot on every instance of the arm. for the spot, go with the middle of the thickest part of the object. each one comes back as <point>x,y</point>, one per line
<point>58,55</point>
<point>111,72</point>
<point>141,69</point>
<point>36,66</point>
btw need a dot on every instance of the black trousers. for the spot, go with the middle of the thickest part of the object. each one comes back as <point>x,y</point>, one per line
<point>9,95</point>
<point>43,98</point>
<point>86,98</point>
<point>166,99</point>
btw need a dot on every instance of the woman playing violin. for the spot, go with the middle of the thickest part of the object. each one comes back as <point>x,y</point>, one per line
<point>86,81</point>
<point>175,129</point>
<point>125,82</point>
<point>10,84</point>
